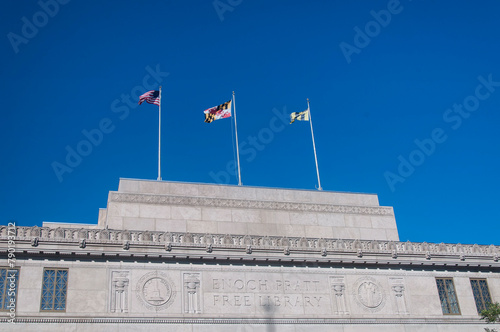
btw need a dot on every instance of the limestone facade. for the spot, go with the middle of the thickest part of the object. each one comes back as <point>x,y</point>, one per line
<point>194,257</point>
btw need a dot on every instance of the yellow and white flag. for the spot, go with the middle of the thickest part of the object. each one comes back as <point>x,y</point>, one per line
<point>301,116</point>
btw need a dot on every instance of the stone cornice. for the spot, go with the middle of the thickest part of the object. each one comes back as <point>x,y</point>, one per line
<point>248,204</point>
<point>36,240</point>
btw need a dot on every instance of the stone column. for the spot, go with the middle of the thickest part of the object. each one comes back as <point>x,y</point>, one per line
<point>191,289</point>
<point>398,290</point>
<point>337,285</point>
<point>119,291</point>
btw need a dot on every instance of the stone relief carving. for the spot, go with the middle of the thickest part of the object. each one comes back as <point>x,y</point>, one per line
<point>119,291</point>
<point>191,290</point>
<point>83,234</point>
<point>35,231</point>
<point>398,290</point>
<point>286,245</point>
<point>147,236</point>
<point>59,233</point>
<point>237,203</point>
<point>337,286</point>
<point>104,235</point>
<point>155,291</point>
<point>369,294</point>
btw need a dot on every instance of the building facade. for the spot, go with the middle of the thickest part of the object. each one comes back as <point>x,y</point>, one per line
<point>199,257</point>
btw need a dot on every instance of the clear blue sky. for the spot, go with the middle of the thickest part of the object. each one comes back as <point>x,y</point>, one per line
<point>69,68</point>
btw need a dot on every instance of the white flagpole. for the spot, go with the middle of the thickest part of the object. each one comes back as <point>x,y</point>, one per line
<point>237,148</point>
<point>314,145</point>
<point>159,139</point>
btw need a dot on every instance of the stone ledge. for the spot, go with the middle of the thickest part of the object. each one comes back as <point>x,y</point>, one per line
<point>236,321</point>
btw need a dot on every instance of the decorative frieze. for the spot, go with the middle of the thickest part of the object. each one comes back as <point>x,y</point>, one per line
<point>251,244</point>
<point>150,237</point>
<point>248,204</point>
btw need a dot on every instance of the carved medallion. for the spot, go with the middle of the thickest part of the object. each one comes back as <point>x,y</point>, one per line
<point>369,294</point>
<point>155,290</point>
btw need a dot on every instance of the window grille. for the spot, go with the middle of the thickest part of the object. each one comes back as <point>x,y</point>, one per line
<point>448,297</point>
<point>9,284</point>
<point>54,290</point>
<point>481,294</point>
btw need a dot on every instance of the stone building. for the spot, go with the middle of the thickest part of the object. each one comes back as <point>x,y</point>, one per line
<point>200,257</point>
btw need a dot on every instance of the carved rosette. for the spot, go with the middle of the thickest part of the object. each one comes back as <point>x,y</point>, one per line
<point>155,291</point>
<point>369,294</point>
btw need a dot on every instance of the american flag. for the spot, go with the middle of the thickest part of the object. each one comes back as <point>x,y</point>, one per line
<point>152,97</point>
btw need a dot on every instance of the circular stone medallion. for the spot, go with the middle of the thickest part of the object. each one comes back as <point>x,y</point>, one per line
<point>155,291</point>
<point>369,294</point>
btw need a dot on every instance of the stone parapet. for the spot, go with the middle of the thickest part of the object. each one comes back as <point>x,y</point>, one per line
<point>153,243</point>
<point>186,207</point>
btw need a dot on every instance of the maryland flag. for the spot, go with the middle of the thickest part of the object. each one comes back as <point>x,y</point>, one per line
<point>301,116</point>
<point>218,112</point>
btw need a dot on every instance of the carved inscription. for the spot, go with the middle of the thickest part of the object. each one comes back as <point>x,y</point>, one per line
<point>261,285</point>
<point>286,293</point>
<point>268,300</point>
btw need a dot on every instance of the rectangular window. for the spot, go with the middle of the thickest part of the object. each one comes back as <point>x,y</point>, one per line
<point>448,297</point>
<point>54,289</point>
<point>481,294</point>
<point>9,283</point>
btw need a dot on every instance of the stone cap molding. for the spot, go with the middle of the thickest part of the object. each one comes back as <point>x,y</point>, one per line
<point>122,243</point>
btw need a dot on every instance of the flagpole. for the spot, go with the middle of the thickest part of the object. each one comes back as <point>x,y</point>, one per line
<point>159,139</point>
<point>314,145</point>
<point>237,148</point>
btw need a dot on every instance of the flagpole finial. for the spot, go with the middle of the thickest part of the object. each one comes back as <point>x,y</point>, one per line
<point>233,93</point>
